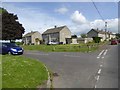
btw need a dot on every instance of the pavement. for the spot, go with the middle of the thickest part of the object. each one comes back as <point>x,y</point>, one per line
<point>97,69</point>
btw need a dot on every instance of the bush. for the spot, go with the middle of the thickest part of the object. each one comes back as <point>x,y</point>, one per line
<point>19,43</point>
<point>97,39</point>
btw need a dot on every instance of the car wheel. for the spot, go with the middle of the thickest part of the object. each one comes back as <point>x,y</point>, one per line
<point>9,53</point>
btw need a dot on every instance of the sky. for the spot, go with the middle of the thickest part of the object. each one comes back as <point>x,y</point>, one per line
<point>79,17</point>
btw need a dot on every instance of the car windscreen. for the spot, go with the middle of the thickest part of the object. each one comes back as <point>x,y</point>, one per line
<point>10,44</point>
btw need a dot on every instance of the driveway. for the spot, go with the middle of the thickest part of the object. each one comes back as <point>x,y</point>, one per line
<point>82,70</point>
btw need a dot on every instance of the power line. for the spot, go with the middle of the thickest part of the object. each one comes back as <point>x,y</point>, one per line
<point>100,16</point>
<point>98,10</point>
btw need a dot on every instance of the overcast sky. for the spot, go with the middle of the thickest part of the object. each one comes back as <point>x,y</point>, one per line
<point>80,17</point>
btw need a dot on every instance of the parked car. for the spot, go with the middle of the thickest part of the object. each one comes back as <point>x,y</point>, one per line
<point>52,43</point>
<point>118,40</point>
<point>10,48</point>
<point>114,42</point>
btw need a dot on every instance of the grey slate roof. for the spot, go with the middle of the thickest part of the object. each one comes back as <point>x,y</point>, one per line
<point>100,31</point>
<point>29,34</point>
<point>54,30</point>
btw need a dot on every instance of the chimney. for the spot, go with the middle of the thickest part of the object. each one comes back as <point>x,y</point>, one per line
<point>55,26</point>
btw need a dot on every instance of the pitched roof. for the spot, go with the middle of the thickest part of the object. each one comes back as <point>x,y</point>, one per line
<point>100,31</point>
<point>54,30</point>
<point>30,33</point>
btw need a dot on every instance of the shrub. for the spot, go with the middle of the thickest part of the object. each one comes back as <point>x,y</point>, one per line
<point>97,39</point>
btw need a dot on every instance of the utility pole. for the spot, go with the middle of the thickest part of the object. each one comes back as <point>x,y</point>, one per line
<point>105,30</point>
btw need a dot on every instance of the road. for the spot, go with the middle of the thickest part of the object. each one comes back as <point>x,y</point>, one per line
<point>82,70</point>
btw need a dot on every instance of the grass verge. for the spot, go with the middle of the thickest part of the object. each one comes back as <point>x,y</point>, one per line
<point>0,72</point>
<point>22,72</point>
<point>61,48</point>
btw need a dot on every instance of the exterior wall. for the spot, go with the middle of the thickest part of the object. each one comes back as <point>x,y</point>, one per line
<point>92,34</point>
<point>68,40</point>
<point>32,39</point>
<point>51,37</point>
<point>34,36</point>
<point>112,36</point>
<point>102,36</point>
<point>84,40</point>
<point>54,37</point>
<point>45,38</point>
<point>27,40</point>
<point>80,40</point>
<point>88,40</point>
<point>74,41</point>
<point>64,33</point>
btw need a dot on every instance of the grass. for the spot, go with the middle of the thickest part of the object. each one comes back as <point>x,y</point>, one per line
<point>22,72</point>
<point>0,72</point>
<point>63,48</point>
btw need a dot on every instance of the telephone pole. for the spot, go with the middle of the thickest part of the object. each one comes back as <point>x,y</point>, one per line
<point>106,30</point>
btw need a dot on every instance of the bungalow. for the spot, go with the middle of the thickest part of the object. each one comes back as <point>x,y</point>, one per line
<point>32,38</point>
<point>57,34</point>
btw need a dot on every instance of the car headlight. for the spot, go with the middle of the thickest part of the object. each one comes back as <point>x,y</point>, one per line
<point>13,49</point>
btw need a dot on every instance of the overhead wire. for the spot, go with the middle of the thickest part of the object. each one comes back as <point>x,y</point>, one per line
<point>98,10</point>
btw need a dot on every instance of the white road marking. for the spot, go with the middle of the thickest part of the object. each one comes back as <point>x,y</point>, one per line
<point>98,77</point>
<point>95,86</point>
<point>101,65</point>
<point>98,57</point>
<point>100,53</point>
<point>99,71</point>
<point>105,52</point>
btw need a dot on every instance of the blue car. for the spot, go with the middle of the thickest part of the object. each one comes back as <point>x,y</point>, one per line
<point>10,48</point>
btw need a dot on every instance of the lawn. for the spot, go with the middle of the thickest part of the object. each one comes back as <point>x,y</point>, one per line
<point>22,72</point>
<point>0,72</point>
<point>63,48</point>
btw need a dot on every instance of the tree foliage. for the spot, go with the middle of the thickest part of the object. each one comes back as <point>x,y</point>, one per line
<point>118,35</point>
<point>11,28</point>
<point>83,35</point>
<point>97,39</point>
<point>74,36</point>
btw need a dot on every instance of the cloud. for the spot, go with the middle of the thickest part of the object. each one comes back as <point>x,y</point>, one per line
<point>36,20</point>
<point>33,19</point>
<point>62,10</point>
<point>112,24</point>
<point>78,18</point>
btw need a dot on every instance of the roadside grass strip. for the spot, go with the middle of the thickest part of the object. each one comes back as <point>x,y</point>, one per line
<point>62,48</point>
<point>0,72</point>
<point>22,72</point>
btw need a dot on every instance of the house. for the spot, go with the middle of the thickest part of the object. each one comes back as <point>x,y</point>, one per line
<point>32,38</point>
<point>112,36</point>
<point>100,33</point>
<point>57,34</point>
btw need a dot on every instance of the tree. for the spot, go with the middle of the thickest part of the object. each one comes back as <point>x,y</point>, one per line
<point>96,39</point>
<point>118,35</point>
<point>74,36</point>
<point>11,28</point>
<point>83,35</point>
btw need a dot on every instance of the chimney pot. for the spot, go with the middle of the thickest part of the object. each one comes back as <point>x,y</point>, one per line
<point>55,26</point>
